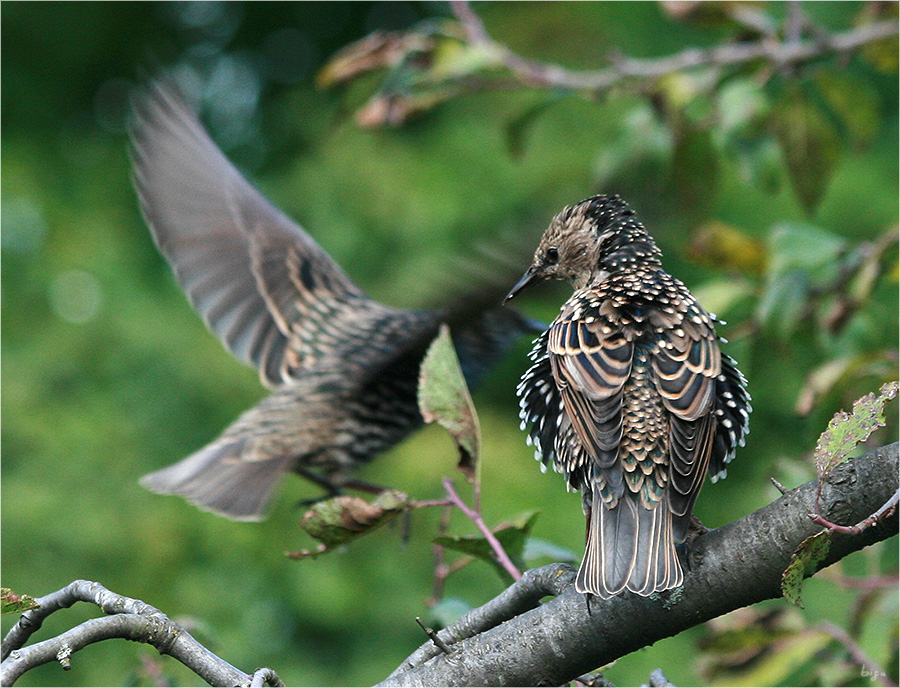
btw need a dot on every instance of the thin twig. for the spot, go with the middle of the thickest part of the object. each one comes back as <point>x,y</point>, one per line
<point>526,593</point>
<point>476,518</point>
<point>623,68</point>
<point>778,486</point>
<point>887,509</point>
<point>429,503</point>
<point>431,633</point>
<point>441,569</point>
<point>857,653</point>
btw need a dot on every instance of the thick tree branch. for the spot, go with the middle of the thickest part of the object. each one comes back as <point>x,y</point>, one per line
<point>791,51</point>
<point>524,594</point>
<point>514,639</point>
<point>730,567</point>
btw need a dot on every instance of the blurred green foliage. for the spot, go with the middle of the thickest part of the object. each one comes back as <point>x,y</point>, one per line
<point>772,198</point>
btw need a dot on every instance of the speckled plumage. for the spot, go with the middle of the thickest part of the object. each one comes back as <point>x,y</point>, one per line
<point>343,368</point>
<point>629,395</point>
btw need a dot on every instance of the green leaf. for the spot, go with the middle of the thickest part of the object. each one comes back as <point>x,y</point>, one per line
<point>517,129</point>
<point>799,257</point>
<point>512,535</point>
<point>11,603</point>
<point>781,304</point>
<point>741,106</point>
<point>846,430</point>
<point>536,548</point>
<point>448,611</point>
<point>721,295</point>
<point>760,162</point>
<point>641,149</point>
<point>810,143</point>
<point>444,398</point>
<point>336,521</point>
<point>801,246</point>
<point>804,561</point>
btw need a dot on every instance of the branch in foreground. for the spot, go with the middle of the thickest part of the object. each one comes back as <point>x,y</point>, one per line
<point>129,619</point>
<point>730,567</point>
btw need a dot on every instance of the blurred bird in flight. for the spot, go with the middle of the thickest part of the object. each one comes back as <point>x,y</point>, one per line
<point>343,368</point>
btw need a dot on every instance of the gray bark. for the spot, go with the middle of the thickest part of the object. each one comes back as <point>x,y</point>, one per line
<point>730,567</point>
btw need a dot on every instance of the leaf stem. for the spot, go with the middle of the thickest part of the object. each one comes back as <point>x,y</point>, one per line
<point>474,515</point>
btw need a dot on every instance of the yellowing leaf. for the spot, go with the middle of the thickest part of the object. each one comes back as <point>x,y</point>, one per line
<point>720,244</point>
<point>846,430</point>
<point>444,398</point>
<point>787,656</point>
<point>804,562</point>
<point>11,603</point>
<point>340,519</point>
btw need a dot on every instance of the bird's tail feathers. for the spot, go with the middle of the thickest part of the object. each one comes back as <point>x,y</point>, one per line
<point>217,479</point>
<point>629,547</point>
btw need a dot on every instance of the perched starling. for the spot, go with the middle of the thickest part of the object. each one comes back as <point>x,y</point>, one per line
<point>629,395</point>
<point>343,367</point>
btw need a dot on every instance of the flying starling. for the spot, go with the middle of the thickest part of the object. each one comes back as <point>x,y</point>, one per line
<point>629,395</point>
<point>343,367</point>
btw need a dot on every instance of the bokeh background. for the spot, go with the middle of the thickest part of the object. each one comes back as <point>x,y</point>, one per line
<point>109,374</point>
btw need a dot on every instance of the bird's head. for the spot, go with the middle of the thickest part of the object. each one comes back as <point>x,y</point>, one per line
<point>588,241</point>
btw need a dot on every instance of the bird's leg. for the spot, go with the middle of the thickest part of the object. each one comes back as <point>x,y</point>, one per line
<point>334,487</point>
<point>363,486</point>
<point>695,530</point>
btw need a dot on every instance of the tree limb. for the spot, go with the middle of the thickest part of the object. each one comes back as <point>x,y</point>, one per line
<point>514,639</point>
<point>791,51</point>
<point>730,567</point>
<point>129,619</point>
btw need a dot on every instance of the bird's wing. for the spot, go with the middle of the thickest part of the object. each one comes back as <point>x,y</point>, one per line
<point>274,298</point>
<point>686,361</point>
<point>732,416</point>
<point>591,360</point>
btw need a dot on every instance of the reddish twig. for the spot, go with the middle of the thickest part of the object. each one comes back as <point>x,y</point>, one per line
<point>887,509</point>
<point>476,518</point>
<point>441,569</point>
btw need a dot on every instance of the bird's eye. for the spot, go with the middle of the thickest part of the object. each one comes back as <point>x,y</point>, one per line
<point>552,255</point>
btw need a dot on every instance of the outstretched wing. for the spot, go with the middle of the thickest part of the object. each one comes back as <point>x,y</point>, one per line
<point>274,298</point>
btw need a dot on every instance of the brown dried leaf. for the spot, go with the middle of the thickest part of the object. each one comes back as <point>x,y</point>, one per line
<point>340,519</point>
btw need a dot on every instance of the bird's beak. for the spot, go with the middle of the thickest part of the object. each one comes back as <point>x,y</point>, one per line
<point>527,279</point>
